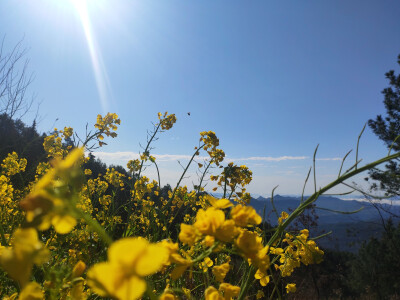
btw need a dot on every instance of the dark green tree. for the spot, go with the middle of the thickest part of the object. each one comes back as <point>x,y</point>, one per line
<point>387,128</point>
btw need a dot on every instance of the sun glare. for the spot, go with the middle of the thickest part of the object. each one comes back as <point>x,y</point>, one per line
<point>102,81</point>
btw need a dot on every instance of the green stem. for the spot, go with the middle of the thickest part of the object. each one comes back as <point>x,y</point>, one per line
<point>331,185</point>
<point>246,284</point>
<point>3,237</point>
<point>183,175</point>
<point>202,177</point>
<point>149,291</point>
<point>95,226</point>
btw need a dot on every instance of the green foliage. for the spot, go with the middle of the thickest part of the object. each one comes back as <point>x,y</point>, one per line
<point>388,129</point>
<point>24,140</point>
<point>376,269</point>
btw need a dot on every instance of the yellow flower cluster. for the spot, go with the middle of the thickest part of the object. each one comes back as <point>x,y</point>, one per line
<point>226,292</point>
<point>299,250</point>
<point>133,166</point>
<point>51,202</point>
<point>210,140</point>
<point>26,250</point>
<point>12,165</point>
<point>146,242</point>
<point>114,178</point>
<point>129,261</point>
<point>107,126</point>
<point>166,120</point>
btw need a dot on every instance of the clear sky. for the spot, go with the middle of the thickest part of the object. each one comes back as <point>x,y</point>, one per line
<point>272,78</point>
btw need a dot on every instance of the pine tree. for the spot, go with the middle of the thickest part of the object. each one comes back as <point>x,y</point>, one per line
<point>388,129</point>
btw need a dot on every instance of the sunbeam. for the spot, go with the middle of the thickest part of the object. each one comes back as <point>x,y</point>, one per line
<point>100,73</point>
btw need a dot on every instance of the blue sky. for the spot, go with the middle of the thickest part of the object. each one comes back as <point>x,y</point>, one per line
<point>272,78</point>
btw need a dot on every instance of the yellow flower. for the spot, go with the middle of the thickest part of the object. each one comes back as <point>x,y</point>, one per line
<point>245,215</point>
<point>188,234</point>
<point>209,139</point>
<point>260,294</point>
<point>68,132</point>
<point>12,165</point>
<point>227,231</point>
<point>211,293</point>
<point>32,291</point>
<point>168,296</point>
<point>284,216</point>
<point>207,263</point>
<point>249,243</point>
<point>207,221</point>
<point>219,204</point>
<point>229,290</point>
<point>262,277</point>
<point>78,269</point>
<point>209,240</point>
<point>221,271</point>
<point>290,288</point>
<point>26,250</point>
<point>133,165</point>
<point>50,201</point>
<point>166,121</point>
<point>77,290</point>
<point>129,260</point>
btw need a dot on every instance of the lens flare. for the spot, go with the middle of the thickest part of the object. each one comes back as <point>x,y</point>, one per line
<point>99,70</point>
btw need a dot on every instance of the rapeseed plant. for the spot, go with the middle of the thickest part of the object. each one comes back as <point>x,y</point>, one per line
<point>68,234</point>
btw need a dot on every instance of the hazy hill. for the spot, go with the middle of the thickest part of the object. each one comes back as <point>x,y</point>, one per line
<point>348,230</point>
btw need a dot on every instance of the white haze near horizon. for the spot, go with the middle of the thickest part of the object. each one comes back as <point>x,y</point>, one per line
<point>287,172</point>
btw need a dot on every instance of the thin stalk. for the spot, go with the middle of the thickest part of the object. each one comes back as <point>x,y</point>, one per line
<point>202,177</point>
<point>145,151</point>
<point>158,174</point>
<point>183,175</point>
<point>331,185</point>
<point>149,290</point>
<point>304,186</point>
<point>225,187</point>
<point>272,201</point>
<point>344,158</point>
<point>3,237</point>
<point>315,178</point>
<point>358,142</point>
<point>95,226</point>
<point>246,284</point>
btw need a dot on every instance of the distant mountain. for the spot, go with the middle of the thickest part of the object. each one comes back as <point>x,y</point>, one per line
<point>349,231</point>
<point>323,204</point>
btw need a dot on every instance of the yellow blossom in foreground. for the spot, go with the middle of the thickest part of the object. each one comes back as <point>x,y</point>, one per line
<point>207,263</point>
<point>249,243</point>
<point>262,277</point>
<point>229,290</point>
<point>129,260</point>
<point>221,271</point>
<point>245,215</point>
<point>207,221</point>
<point>290,288</point>
<point>188,234</point>
<point>218,203</point>
<point>211,293</point>
<point>78,269</point>
<point>26,250</point>
<point>168,296</point>
<point>50,201</point>
<point>32,291</point>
